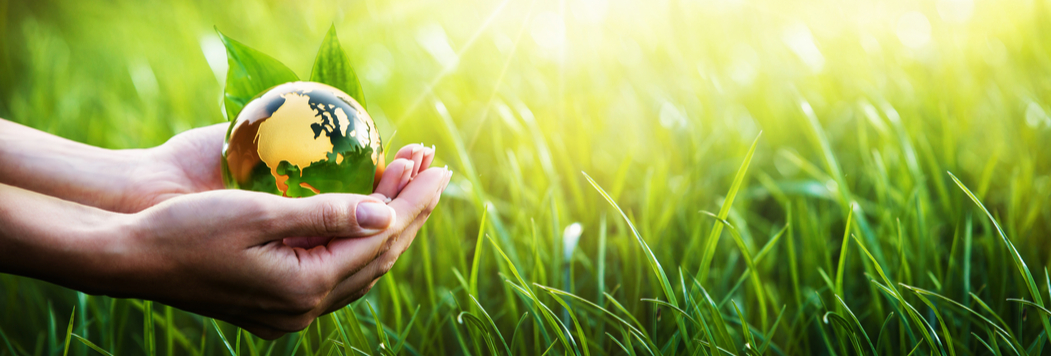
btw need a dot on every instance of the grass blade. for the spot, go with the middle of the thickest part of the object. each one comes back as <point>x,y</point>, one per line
<point>342,333</point>
<point>69,330</point>
<point>7,342</point>
<point>843,253</point>
<point>747,335</point>
<point>650,258</point>
<point>713,238</point>
<point>757,284</point>
<point>563,332</point>
<point>405,333</point>
<point>357,337</point>
<point>492,325</point>
<point>226,342</point>
<point>91,345</point>
<point>148,336</point>
<point>856,325</point>
<point>1034,291</point>
<point>380,335</point>
<point>470,320</point>
<point>476,260</point>
<point>576,323</point>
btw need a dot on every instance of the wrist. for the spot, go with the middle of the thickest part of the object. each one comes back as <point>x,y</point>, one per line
<point>62,242</point>
<point>65,169</point>
<point>111,257</point>
<point>137,169</point>
<point>115,257</point>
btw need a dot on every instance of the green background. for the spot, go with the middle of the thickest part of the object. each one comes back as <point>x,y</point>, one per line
<point>659,102</point>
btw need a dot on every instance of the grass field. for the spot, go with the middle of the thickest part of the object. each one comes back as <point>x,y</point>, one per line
<point>707,177</point>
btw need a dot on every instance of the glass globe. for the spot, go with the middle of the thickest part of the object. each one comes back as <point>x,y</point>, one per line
<point>300,139</point>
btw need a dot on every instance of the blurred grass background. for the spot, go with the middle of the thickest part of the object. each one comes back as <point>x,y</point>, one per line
<point>864,103</point>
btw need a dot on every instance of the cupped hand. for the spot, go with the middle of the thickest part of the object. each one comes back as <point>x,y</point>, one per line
<point>223,253</point>
<point>190,163</point>
<point>266,263</point>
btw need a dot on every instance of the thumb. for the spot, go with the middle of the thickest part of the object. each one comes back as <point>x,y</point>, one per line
<point>332,215</point>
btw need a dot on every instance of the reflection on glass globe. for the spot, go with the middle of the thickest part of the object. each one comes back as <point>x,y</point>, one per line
<point>301,139</point>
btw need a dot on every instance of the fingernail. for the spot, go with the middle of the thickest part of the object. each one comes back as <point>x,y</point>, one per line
<point>373,215</point>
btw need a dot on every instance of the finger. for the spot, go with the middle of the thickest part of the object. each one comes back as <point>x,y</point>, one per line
<point>394,179</point>
<point>414,152</point>
<point>350,255</point>
<point>428,157</point>
<point>333,215</point>
<point>417,158</point>
<point>407,151</point>
<point>400,242</point>
<point>355,286</point>
<point>408,235</point>
<point>358,284</point>
<point>306,242</point>
<point>418,194</point>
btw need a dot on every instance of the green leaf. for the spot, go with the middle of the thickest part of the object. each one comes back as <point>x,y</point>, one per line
<point>251,72</point>
<point>332,67</point>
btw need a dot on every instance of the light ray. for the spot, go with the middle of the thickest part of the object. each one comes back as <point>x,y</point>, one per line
<point>500,79</point>
<point>428,90</point>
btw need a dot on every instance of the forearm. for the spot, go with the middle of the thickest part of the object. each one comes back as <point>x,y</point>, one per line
<point>58,167</point>
<point>62,242</point>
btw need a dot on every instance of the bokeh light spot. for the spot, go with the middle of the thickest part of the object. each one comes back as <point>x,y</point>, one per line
<point>913,29</point>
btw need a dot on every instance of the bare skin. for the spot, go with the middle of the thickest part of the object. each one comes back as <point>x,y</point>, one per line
<point>156,224</point>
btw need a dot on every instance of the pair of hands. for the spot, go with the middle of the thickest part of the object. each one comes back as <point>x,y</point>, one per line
<point>268,264</point>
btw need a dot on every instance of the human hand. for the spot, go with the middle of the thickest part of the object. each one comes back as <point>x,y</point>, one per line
<point>267,263</point>
<point>190,163</point>
<point>225,254</point>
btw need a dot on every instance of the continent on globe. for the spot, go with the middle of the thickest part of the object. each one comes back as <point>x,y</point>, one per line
<point>300,139</point>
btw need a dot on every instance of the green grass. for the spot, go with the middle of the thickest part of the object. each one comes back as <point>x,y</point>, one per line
<point>835,231</point>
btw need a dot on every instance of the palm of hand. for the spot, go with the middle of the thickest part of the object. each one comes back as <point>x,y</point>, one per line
<point>188,163</point>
